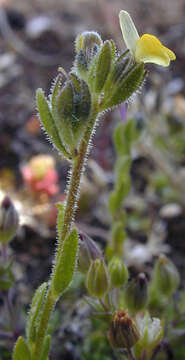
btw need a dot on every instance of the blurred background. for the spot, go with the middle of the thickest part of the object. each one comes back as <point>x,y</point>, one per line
<point>36,37</point>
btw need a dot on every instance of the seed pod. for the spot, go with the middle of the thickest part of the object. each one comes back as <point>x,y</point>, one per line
<point>123,332</point>
<point>166,276</point>
<point>97,281</point>
<point>136,294</point>
<point>9,220</point>
<point>118,272</point>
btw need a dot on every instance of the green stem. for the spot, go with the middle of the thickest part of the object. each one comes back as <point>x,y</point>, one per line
<point>70,211</point>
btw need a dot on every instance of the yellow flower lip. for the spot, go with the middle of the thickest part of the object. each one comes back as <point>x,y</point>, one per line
<point>147,48</point>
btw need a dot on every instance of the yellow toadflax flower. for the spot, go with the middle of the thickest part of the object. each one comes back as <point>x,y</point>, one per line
<point>146,48</point>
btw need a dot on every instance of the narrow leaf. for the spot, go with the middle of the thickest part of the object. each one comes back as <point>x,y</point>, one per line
<point>46,348</point>
<point>122,169</point>
<point>62,114</point>
<point>117,196</point>
<point>66,264</point>
<point>119,138</point>
<point>33,315</point>
<point>126,87</point>
<point>55,89</point>
<point>21,350</point>
<point>60,218</point>
<point>103,66</point>
<point>48,122</point>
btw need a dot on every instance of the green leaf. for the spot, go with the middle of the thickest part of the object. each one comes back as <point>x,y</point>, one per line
<point>67,263</point>
<point>60,218</point>
<point>48,122</point>
<point>103,66</point>
<point>128,84</point>
<point>62,114</point>
<point>117,196</point>
<point>55,89</point>
<point>46,348</point>
<point>21,350</point>
<point>33,316</point>
<point>124,135</point>
<point>118,232</point>
<point>81,108</point>
<point>122,170</point>
<point>119,66</point>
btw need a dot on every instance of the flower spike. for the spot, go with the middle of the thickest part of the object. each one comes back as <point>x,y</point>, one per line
<point>147,48</point>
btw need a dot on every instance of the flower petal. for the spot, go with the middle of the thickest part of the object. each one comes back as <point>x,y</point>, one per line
<point>150,49</point>
<point>129,31</point>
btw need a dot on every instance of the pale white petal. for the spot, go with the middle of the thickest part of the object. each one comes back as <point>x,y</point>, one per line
<point>129,31</point>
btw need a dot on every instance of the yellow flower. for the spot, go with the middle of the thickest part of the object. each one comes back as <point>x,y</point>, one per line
<point>146,48</point>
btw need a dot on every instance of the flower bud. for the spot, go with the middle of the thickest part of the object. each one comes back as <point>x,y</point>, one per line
<point>88,251</point>
<point>123,332</point>
<point>166,276</point>
<point>97,281</point>
<point>87,45</point>
<point>118,272</point>
<point>9,220</point>
<point>136,294</point>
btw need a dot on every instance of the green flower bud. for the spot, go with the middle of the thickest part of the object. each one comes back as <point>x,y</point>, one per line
<point>136,294</point>
<point>9,220</point>
<point>151,332</point>
<point>87,45</point>
<point>88,251</point>
<point>166,276</point>
<point>123,332</point>
<point>97,281</point>
<point>118,272</point>
<point>88,41</point>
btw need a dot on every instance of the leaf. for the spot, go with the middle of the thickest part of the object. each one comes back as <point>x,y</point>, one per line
<point>21,350</point>
<point>124,134</point>
<point>55,89</point>
<point>122,170</point>
<point>117,196</point>
<point>48,122</point>
<point>128,84</point>
<point>34,312</point>
<point>46,348</point>
<point>67,263</point>
<point>60,218</point>
<point>62,114</point>
<point>103,66</point>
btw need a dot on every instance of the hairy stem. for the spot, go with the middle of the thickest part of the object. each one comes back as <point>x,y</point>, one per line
<point>70,210</point>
